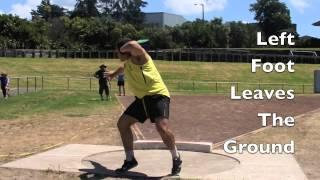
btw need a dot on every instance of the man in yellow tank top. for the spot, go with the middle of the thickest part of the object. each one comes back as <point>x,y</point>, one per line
<point>152,101</point>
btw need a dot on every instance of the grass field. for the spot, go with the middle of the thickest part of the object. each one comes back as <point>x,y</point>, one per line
<point>72,103</point>
<point>180,71</point>
<point>191,77</point>
<point>79,101</point>
<point>34,121</point>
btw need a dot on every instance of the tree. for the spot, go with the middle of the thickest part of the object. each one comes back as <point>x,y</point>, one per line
<point>39,34</point>
<point>238,35</point>
<point>128,11</point>
<point>160,38</point>
<point>85,8</point>
<point>48,11</point>
<point>133,13</point>
<point>273,16</point>
<point>219,33</point>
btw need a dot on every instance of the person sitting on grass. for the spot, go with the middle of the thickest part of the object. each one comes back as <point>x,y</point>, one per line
<point>103,82</point>
<point>121,84</point>
<point>4,85</point>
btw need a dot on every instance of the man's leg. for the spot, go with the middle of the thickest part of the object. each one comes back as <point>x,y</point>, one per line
<point>124,125</point>
<point>3,89</point>
<point>119,90</point>
<point>124,91</point>
<point>107,91</point>
<point>162,125</point>
<point>167,136</point>
<point>101,91</point>
<point>5,93</point>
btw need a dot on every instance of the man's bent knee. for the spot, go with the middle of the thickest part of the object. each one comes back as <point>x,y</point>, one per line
<point>125,122</point>
<point>162,125</point>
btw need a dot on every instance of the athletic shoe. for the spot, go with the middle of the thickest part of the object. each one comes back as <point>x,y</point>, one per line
<point>176,166</point>
<point>127,165</point>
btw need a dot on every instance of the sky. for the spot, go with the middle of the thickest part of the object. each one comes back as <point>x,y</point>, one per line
<point>303,12</point>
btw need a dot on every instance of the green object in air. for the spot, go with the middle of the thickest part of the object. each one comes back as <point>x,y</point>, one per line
<point>142,41</point>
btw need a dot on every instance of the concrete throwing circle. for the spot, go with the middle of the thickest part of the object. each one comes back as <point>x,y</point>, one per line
<point>158,163</point>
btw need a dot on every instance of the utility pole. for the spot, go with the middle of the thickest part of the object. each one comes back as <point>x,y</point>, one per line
<point>202,5</point>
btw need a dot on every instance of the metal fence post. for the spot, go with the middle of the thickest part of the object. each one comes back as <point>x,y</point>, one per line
<point>237,87</point>
<point>42,82</point>
<point>193,85</point>
<point>27,84</point>
<point>68,83</point>
<point>302,88</point>
<point>216,87</point>
<point>35,83</point>
<point>18,86</point>
<point>90,84</point>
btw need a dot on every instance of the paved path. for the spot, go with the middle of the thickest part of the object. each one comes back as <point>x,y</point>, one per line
<point>103,160</point>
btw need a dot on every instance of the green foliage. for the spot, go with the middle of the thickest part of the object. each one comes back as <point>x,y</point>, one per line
<point>48,11</point>
<point>86,8</point>
<point>238,35</point>
<point>273,16</point>
<point>21,33</point>
<point>128,11</point>
<point>99,24</point>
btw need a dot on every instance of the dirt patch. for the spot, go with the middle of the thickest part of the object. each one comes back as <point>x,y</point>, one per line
<point>193,118</point>
<point>217,118</point>
<point>34,134</point>
<point>22,174</point>
<point>306,136</point>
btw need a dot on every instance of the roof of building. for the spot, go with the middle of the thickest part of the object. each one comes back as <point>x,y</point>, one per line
<point>163,13</point>
<point>316,23</point>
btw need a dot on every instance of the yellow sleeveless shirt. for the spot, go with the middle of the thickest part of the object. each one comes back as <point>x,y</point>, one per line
<point>145,79</point>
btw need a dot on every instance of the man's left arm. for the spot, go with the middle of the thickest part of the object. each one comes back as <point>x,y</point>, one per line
<point>134,49</point>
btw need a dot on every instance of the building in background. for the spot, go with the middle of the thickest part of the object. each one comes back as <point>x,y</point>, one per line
<point>316,23</point>
<point>162,19</point>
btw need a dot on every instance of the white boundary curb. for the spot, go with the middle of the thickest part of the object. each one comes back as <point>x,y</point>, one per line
<point>204,147</point>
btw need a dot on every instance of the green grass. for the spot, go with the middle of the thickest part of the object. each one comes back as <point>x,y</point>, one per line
<point>70,103</point>
<point>233,72</point>
<point>177,75</point>
<point>180,71</point>
<point>181,78</point>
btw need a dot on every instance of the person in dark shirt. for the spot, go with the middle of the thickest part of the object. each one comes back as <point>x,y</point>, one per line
<point>103,82</point>
<point>4,84</point>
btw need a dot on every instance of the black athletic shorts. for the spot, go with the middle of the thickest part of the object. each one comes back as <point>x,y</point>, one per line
<point>153,107</point>
<point>120,83</point>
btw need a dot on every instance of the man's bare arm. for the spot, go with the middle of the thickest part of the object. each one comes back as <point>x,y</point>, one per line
<point>134,48</point>
<point>114,74</point>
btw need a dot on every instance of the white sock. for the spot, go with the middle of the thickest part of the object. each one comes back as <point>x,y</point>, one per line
<point>174,152</point>
<point>129,155</point>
